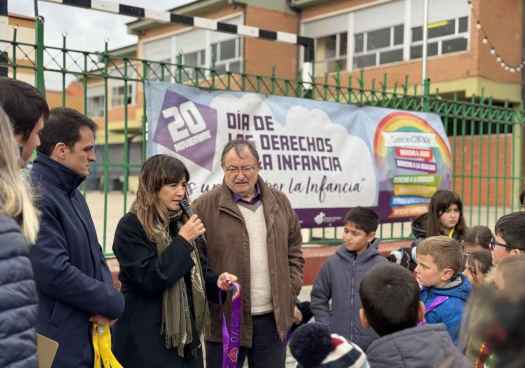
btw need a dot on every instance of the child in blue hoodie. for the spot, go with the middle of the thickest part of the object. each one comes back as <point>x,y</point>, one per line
<point>444,288</point>
<point>335,298</point>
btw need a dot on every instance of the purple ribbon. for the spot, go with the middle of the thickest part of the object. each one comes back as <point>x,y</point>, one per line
<point>231,336</point>
<point>435,303</point>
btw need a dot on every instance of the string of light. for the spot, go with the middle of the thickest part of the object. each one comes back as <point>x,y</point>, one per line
<point>513,68</point>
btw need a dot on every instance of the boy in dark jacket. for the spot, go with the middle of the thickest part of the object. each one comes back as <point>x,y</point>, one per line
<point>391,306</point>
<point>339,278</point>
<point>444,288</point>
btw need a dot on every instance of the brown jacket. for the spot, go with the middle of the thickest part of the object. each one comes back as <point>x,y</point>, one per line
<point>228,251</point>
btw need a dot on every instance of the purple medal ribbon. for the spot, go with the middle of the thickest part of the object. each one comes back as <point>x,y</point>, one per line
<point>435,303</point>
<point>231,336</point>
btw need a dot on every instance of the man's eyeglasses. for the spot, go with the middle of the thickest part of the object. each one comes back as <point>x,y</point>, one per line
<point>242,169</point>
<point>493,244</point>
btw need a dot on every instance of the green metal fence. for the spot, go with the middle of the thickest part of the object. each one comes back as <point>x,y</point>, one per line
<point>486,137</point>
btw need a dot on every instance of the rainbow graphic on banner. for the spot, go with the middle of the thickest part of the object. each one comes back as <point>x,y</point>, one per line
<point>415,158</point>
<point>406,122</point>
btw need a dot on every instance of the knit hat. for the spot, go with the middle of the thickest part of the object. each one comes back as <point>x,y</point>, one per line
<point>313,346</point>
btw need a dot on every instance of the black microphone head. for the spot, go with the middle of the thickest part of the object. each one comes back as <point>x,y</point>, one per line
<point>185,206</point>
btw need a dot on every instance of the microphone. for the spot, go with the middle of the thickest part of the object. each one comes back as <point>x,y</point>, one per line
<point>186,208</point>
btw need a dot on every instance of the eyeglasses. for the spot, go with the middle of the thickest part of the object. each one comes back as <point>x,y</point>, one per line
<point>493,244</point>
<point>242,169</point>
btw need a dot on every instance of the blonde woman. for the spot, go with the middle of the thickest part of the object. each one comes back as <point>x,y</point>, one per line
<point>18,229</point>
<point>165,278</point>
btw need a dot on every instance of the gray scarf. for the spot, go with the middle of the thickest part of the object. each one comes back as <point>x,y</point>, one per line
<point>176,324</point>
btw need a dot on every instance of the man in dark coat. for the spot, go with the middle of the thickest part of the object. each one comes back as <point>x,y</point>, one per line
<point>73,280</point>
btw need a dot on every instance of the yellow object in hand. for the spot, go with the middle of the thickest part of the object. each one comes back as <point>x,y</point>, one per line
<point>104,357</point>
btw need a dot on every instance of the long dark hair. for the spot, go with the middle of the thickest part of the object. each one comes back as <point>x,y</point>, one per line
<point>439,203</point>
<point>157,171</point>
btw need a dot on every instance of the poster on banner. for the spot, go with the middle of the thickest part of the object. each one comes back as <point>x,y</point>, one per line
<point>325,156</point>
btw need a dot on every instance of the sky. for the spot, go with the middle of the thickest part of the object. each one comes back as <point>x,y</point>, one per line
<point>85,29</point>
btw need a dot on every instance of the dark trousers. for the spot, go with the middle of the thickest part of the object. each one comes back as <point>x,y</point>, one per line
<point>267,349</point>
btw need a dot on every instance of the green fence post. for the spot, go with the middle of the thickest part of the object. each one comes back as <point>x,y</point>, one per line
<point>517,157</point>
<point>144,114</point>
<point>179,69</point>
<point>426,95</point>
<point>39,57</point>
<point>126,139</point>
<point>64,69</point>
<point>14,54</point>
<point>273,80</point>
<point>105,154</point>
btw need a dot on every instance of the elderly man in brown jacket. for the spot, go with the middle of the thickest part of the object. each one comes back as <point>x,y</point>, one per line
<point>254,233</point>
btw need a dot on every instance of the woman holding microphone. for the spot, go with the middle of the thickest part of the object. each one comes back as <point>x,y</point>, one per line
<point>164,273</point>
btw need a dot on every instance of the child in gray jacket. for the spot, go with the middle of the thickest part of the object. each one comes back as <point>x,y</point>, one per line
<point>391,306</point>
<point>335,298</point>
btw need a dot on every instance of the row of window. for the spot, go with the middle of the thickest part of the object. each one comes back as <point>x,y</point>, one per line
<point>225,57</point>
<point>386,45</point>
<point>371,48</point>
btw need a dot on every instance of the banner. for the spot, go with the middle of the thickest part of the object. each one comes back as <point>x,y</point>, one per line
<point>326,157</point>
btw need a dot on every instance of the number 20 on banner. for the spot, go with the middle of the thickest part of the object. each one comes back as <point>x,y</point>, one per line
<point>187,126</point>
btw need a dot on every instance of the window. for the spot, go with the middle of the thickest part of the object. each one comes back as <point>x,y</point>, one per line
<point>380,46</point>
<point>359,43</point>
<point>417,51</point>
<point>444,37</point>
<point>331,53</point>
<point>454,45</point>
<point>192,59</point>
<point>198,48</point>
<point>95,106</point>
<point>117,95</point>
<point>196,58</point>
<point>226,56</point>
<point>378,39</point>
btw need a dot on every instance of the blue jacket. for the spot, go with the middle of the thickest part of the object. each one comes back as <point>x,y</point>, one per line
<point>18,299</point>
<point>338,282</point>
<point>72,278</point>
<point>450,311</point>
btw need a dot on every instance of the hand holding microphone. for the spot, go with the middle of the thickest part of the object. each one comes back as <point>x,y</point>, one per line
<point>192,229</point>
<point>186,208</point>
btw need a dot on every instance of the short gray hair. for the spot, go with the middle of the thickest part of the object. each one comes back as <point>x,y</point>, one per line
<point>239,145</point>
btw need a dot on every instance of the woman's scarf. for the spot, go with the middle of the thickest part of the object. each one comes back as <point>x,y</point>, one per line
<point>176,324</point>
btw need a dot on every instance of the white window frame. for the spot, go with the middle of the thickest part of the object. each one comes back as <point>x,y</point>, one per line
<point>378,51</point>
<point>98,112</point>
<point>441,39</point>
<point>187,74</point>
<point>337,57</point>
<point>210,39</point>
<point>120,102</point>
<point>227,62</point>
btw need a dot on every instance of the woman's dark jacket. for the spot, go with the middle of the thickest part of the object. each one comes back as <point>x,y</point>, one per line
<point>18,299</point>
<point>137,341</point>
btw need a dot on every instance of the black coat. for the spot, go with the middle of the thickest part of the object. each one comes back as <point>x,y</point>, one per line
<point>18,299</point>
<point>137,341</point>
<point>71,274</point>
